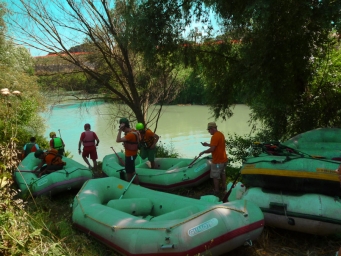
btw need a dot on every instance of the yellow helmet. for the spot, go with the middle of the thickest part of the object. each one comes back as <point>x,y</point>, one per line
<point>52,134</point>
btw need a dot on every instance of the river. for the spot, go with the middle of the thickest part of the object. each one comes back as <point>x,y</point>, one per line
<point>180,127</point>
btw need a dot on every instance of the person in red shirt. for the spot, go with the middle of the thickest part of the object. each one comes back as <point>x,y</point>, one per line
<point>219,158</point>
<point>90,141</point>
<point>147,144</point>
<point>130,143</point>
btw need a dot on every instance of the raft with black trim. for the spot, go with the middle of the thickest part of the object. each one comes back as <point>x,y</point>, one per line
<point>308,213</point>
<point>134,220</point>
<point>169,174</point>
<point>72,176</point>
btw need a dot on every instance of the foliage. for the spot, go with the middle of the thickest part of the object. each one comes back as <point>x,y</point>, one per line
<point>166,151</point>
<point>193,92</point>
<point>270,57</point>
<point>20,99</point>
<point>112,61</point>
<point>240,147</point>
<point>41,226</point>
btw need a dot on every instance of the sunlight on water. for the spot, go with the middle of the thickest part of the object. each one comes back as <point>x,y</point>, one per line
<point>182,126</point>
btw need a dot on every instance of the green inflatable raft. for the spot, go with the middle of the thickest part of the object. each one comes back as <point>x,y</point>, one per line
<point>72,176</point>
<point>287,166</point>
<point>169,174</point>
<point>134,220</point>
<point>308,213</point>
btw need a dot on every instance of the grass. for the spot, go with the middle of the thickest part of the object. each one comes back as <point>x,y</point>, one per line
<point>43,226</point>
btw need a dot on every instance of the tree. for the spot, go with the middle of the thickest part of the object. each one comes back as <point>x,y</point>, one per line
<point>272,66</point>
<point>20,98</point>
<point>107,32</point>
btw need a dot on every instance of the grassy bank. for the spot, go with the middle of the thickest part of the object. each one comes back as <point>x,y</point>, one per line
<point>43,226</point>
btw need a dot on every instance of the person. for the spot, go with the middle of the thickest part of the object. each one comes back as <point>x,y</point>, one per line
<point>57,143</point>
<point>147,144</point>
<point>219,157</point>
<point>90,141</point>
<point>130,143</point>
<point>30,147</point>
<point>52,160</point>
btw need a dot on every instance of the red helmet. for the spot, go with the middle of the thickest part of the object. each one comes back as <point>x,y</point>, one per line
<point>87,126</point>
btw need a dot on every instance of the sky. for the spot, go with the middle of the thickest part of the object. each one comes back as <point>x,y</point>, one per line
<point>70,39</point>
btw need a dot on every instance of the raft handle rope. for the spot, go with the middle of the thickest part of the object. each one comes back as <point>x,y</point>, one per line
<point>291,221</point>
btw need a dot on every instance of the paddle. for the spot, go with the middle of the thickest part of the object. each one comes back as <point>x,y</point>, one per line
<point>226,196</point>
<point>125,190</point>
<point>60,135</point>
<point>192,163</point>
<point>119,158</point>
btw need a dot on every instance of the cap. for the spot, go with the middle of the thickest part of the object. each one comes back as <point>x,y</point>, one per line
<point>211,125</point>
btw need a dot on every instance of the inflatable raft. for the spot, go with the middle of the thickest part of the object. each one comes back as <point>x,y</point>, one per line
<point>72,176</point>
<point>322,143</point>
<point>170,173</point>
<point>309,213</point>
<point>287,166</point>
<point>292,173</point>
<point>134,220</point>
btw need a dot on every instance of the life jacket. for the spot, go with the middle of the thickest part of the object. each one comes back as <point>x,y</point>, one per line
<point>51,157</point>
<point>146,142</point>
<point>30,147</point>
<point>130,145</point>
<point>57,143</point>
<point>89,139</point>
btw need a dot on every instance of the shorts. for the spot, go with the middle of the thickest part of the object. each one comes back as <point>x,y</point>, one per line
<point>130,164</point>
<point>217,170</point>
<point>150,153</point>
<point>90,151</point>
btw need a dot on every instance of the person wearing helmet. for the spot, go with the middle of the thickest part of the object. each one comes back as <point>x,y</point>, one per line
<point>90,141</point>
<point>32,146</point>
<point>57,143</point>
<point>147,144</point>
<point>130,143</point>
<point>51,161</point>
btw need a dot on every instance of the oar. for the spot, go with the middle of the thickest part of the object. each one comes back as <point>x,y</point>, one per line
<point>60,135</point>
<point>192,163</point>
<point>119,158</point>
<point>125,190</point>
<point>226,196</point>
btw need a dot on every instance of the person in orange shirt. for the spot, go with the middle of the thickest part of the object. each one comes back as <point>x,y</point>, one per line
<point>51,161</point>
<point>219,157</point>
<point>130,143</point>
<point>147,144</point>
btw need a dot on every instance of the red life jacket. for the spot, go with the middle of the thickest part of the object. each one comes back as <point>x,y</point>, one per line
<point>89,139</point>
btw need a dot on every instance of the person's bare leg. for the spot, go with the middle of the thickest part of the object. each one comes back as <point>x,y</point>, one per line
<point>223,180</point>
<point>87,162</point>
<point>94,164</point>
<point>216,185</point>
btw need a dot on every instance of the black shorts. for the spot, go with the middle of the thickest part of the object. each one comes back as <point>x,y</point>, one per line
<point>130,164</point>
